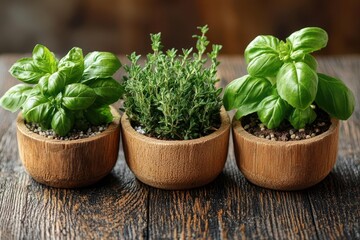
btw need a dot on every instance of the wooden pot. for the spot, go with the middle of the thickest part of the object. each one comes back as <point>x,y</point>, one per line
<point>177,164</point>
<point>292,165</point>
<point>69,164</point>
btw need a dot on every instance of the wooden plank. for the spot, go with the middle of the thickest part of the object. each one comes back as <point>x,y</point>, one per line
<point>229,208</point>
<point>113,208</point>
<point>336,200</point>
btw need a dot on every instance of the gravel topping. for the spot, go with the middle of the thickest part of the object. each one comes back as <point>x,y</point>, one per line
<point>140,130</point>
<point>72,135</point>
<point>285,132</point>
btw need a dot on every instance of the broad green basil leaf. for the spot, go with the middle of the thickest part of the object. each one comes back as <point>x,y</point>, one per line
<point>56,83</point>
<point>62,122</point>
<point>100,65</point>
<point>307,40</point>
<point>107,90</point>
<point>273,111</point>
<point>309,60</point>
<point>300,118</point>
<point>297,84</point>
<point>58,99</point>
<point>98,116</point>
<point>35,91</point>
<point>261,45</point>
<point>246,109</point>
<point>265,65</point>
<point>43,84</point>
<point>78,96</point>
<point>245,94</point>
<point>44,59</point>
<point>15,97</point>
<point>72,65</point>
<point>38,109</point>
<point>334,97</point>
<point>25,70</point>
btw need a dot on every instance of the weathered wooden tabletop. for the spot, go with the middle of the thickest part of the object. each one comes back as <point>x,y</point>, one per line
<point>229,208</point>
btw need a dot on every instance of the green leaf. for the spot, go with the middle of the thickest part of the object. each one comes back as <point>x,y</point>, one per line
<point>78,96</point>
<point>44,59</point>
<point>25,70</point>
<point>300,118</point>
<point>35,91</point>
<point>98,116</point>
<point>307,40</point>
<point>43,84</point>
<point>56,83</point>
<point>265,65</point>
<point>15,97</point>
<point>245,94</point>
<point>107,90</point>
<point>309,60</point>
<point>100,65</point>
<point>261,45</point>
<point>72,65</point>
<point>334,97</point>
<point>297,84</point>
<point>273,111</point>
<point>62,122</point>
<point>58,99</point>
<point>38,109</point>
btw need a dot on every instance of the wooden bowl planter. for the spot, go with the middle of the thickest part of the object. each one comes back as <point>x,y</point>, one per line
<point>281,165</point>
<point>176,164</point>
<point>69,164</point>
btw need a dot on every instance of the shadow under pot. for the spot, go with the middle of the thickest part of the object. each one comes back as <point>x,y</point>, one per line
<point>176,164</point>
<point>69,164</point>
<point>291,165</point>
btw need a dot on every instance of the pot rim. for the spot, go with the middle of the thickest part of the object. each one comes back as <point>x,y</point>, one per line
<point>225,125</point>
<point>239,130</point>
<point>36,137</point>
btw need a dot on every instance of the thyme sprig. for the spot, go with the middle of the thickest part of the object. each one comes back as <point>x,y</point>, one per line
<point>173,96</point>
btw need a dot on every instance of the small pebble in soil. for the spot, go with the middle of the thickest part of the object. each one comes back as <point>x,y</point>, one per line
<point>140,130</point>
<point>286,132</point>
<point>72,135</point>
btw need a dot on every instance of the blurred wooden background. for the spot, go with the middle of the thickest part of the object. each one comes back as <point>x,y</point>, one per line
<point>123,26</point>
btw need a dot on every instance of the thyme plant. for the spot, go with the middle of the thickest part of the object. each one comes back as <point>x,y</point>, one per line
<point>173,96</point>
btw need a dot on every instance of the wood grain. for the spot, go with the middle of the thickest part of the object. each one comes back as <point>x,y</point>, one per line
<point>69,164</point>
<point>294,165</point>
<point>29,210</point>
<point>120,207</point>
<point>174,165</point>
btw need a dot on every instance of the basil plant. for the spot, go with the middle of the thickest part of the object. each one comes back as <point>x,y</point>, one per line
<point>74,92</point>
<point>283,82</point>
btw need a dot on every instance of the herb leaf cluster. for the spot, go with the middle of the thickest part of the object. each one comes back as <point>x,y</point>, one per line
<point>283,83</point>
<point>173,96</point>
<point>73,92</point>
